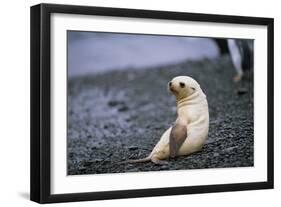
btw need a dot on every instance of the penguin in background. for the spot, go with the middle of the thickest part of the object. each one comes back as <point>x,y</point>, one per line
<point>241,54</point>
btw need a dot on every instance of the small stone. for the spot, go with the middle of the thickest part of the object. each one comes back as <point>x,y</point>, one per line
<point>164,167</point>
<point>123,108</point>
<point>113,103</point>
<point>106,161</point>
<point>216,154</point>
<point>130,165</point>
<point>88,163</point>
<point>97,160</point>
<point>133,147</point>
<point>82,168</point>
<point>242,91</point>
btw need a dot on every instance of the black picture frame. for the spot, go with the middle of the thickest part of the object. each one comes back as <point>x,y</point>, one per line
<point>41,98</point>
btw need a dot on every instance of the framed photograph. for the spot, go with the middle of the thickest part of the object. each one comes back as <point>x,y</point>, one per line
<point>132,103</point>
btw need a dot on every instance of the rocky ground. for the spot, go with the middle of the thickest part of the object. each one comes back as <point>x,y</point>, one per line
<point>121,115</point>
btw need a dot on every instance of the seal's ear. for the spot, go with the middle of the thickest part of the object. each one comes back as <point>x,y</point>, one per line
<point>177,137</point>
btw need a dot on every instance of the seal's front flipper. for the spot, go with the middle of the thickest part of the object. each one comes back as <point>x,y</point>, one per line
<point>177,137</point>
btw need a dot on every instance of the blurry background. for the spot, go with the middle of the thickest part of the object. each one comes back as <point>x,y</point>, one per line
<point>92,52</point>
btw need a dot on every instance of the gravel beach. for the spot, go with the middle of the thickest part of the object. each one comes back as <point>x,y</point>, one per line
<point>121,115</point>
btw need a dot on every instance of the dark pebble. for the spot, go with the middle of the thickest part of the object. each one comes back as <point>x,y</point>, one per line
<point>123,108</point>
<point>82,168</point>
<point>242,91</point>
<point>88,163</point>
<point>133,147</point>
<point>164,167</point>
<point>113,103</point>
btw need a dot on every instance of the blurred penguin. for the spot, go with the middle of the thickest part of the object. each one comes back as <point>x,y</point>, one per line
<point>241,53</point>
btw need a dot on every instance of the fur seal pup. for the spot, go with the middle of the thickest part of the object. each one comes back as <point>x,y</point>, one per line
<point>190,130</point>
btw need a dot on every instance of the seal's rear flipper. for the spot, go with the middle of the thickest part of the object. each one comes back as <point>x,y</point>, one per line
<point>158,162</point>
<point>146,159</point>
<point>177,137</point>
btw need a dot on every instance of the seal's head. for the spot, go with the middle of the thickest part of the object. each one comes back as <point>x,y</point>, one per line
<point>183,86</point>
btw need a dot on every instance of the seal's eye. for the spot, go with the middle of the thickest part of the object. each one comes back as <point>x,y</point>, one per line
<point>192,88</point>
<point>182,85</point>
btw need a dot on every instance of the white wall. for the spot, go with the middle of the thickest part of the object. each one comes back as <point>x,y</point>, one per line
<point>14,109</point>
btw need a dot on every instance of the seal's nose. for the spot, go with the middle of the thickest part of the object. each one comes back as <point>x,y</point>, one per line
<point>170,84</point>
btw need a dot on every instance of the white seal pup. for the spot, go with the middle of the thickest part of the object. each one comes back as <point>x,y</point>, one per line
<point>190,130</point>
